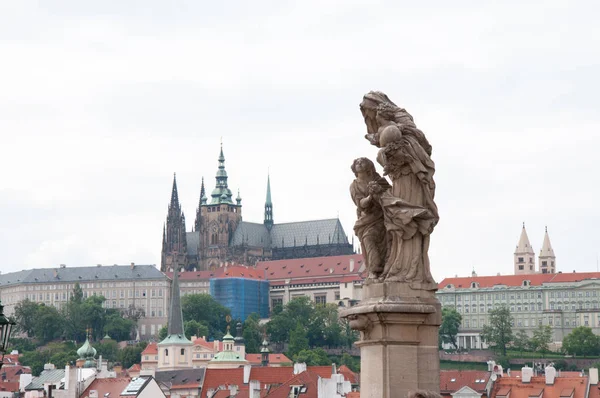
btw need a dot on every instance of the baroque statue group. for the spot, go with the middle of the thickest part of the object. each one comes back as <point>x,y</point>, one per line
<point>395,217</point>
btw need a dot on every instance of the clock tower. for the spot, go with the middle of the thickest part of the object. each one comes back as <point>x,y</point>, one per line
<point>220,218</point>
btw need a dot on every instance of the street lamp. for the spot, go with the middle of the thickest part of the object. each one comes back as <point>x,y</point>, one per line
<point>5,329</point>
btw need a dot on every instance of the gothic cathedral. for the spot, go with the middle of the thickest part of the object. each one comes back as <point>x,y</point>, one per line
<point>219,234</point>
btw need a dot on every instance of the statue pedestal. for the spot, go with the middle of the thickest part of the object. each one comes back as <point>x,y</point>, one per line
<point>398,326</point>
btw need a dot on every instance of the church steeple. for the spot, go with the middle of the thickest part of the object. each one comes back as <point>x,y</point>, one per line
<point>524,259</point>
<point>547,259</point>
<point>175,312</point>
<point>221,193</point>
<point>202,201</point>
<point>268,206</point>
<point>174,237</point>
<point>175,350</point>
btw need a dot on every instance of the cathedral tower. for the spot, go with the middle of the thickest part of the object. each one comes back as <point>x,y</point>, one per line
<point>220,219</point>
<point>547,259</point>
<point>174,246</point>
<point>524,255</point>
<point>268,206</point>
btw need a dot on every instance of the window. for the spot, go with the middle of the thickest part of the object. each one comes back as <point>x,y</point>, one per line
<point>544,263</point>
<point>183,351</point>
<point>166,352</point>
<point>320,299</point>
<point>521,260</point>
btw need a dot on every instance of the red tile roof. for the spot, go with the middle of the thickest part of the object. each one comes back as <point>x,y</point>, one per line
<point>271,375</point>
<point>112,386</point>
<point>349,375</point>
<point>322,371</point>
<point>213,378</point>
<point>453,380</point>
<point>334,268</point>
<point>135,368</point>
<point>517,280</point>
<point>202,342</point>
<point>307,379</point>
<point>151,349</point>
<point>353,394</point>
<point>518,389</point>
<point>12,386</point>
<point>186,386</point>
<point>13,373</point>
<point>11,359</point>
<point>255,359</point>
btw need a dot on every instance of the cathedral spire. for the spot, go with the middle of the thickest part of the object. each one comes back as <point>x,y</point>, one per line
<point>221,193</point>
<point>175,313</point>
<point>268,205</point>
<point>174,194</point>
<point>547,259</point>
<point>202,193</point>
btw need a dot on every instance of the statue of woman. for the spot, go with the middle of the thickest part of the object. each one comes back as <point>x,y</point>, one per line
<point>409,210</point>
<point>369,226</point>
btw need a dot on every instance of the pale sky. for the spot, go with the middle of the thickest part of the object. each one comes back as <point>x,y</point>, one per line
<point>101,101</point>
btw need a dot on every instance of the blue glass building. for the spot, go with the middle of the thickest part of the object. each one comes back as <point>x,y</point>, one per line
<point>242,296</point>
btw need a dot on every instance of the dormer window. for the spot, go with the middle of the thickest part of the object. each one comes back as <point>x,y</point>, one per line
<point>526,283</point>
<point>450,286</point>
<point>474,285</point>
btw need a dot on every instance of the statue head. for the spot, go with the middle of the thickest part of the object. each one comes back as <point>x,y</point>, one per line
<point>368,107</point>
<point>363,165</point>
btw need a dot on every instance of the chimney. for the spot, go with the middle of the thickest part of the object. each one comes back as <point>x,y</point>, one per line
<point>550,375</point>
<point>299,368</point>
<point>351,265</point>
<point>593,376</point>
<point>210,392</point>
<point>132,265</point>
<point>508,372</point>
<point>491,365</point>
<point>63,266</point>
<point>233,390</point>
<point>254,389</point>
<point>333,369</point>
<point>55,272</point>
<point>247,369</point>
<point>526,374</point>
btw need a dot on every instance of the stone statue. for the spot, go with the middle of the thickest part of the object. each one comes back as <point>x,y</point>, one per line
<point>395,221</point>
<point>369,227</point>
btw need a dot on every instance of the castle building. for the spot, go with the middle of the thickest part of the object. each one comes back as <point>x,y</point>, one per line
<point>220,235</point>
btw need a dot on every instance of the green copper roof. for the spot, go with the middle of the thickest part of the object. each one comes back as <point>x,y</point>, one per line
<point>86,351</point>
<point>221,193</point>
<point>178,339</point>
<point>228,356</point>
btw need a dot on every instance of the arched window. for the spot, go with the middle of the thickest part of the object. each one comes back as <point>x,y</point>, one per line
<point>166,352</point>
<point>183,351</point>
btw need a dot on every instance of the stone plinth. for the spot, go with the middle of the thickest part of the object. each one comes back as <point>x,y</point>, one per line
<point>398,326</point>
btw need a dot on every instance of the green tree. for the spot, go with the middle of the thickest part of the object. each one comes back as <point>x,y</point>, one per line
<point>117,327</point>
<point>48,324</point>
<point>204,308</point>
<point>350,361</point>
<point>252,333</point>
<point>541,339</point>
<point>94,315</point>
<point>451,321</point>
<point>521,341</point>
<point>298,340</point>
<point>74,317</point>
<point>316,357</point>
<point>498,333</point>
<point>25,316</point>
<point>195,328</point>
<point>108,349</point>
<point>581,341</point>
<point>35,360</point>
<point>131,354</point>
<point>163,332</point>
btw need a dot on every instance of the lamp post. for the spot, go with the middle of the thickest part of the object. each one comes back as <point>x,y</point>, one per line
<point>6,326</point>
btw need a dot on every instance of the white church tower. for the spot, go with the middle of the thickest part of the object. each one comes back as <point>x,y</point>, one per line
<point>547,259</point>
<point>524,255</point>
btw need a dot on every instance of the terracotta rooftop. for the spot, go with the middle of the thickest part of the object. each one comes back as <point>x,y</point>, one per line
<point>517,280</point>
<point>307,380</point>
<point>271,375</point>
<point>334,268</point>
<point>151,349</point>
<point>110,387</point>
<point>349,375</point>
<point>255,359</point>
<point>202,342</point>
<point>12,386</point>
<point>538,387</point>
<point>213,378</point>
<point>13,373</point>
<point>453,380</point>
<point>135,368</point>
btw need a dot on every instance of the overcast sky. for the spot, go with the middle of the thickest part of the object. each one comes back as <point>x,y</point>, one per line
<point>101,101</point>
